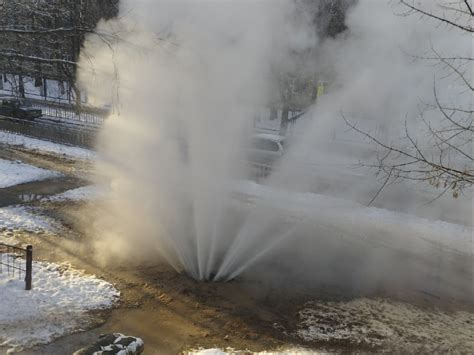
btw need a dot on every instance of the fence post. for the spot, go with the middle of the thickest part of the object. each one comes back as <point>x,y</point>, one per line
<point>29,267</point>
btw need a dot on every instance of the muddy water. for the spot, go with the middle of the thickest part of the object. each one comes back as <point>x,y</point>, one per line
<point>35,191</point>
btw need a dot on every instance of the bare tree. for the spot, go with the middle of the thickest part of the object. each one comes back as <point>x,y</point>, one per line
<point>298,88</point>
<point>444,158</point>
<point>43,39</point>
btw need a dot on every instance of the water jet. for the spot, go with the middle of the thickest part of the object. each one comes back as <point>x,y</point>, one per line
<point>203,86</point>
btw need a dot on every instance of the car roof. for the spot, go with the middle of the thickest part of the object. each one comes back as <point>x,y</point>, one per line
<point>270,136</point>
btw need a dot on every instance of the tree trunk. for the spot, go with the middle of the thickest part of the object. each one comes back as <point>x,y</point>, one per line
<point>284,121</point>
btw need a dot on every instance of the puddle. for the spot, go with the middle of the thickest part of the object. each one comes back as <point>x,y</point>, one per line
<point>37,190</point>
<point>30,197</point>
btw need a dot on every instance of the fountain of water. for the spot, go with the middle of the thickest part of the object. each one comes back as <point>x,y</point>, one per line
<point>191,75</point>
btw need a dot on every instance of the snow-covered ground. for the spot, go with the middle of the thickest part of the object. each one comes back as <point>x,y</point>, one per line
<point>380,322</point>
<point>378,246</point>
<point>21,218</point>
<point>46,147</point>
<point>57,304</point>
<point>57,91</point>
<point>85,193</point>
<point>15,173</point>
<point>380,226</point>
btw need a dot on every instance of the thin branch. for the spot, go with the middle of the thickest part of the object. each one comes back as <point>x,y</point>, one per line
<point>445,114</point>
<point>12,54</point>
<point>456,70</point>
<point>387,179</point>
<point>469,7</point>
<point>438,18</point>
<point>47,31</point>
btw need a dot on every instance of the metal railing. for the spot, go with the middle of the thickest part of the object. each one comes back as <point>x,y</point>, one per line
<point>62,134</point>
<point>17,262</point>
<point>259,171</point>
<point>72,113</point>
<point>81,114</point>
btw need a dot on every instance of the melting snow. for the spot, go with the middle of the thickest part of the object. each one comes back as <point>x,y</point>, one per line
<point>13,173</point>
<point>84,193</point>
<point>45,146</point>
<point>23,218</point>
<point>379,322</point>
<point>55,306</point>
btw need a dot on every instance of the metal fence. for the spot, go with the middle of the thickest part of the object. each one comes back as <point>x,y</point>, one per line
<point>17,263</point>
<point>71,113</point>
<point>57,133</point>
<point>82,114</point>
<point>259,171</point>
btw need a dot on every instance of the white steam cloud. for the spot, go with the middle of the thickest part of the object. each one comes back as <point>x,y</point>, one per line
<point>186,78</point>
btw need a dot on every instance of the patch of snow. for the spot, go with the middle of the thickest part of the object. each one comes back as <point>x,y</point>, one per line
<point>23,218</point>
<point>85,193</point>
<point>15,172</point>
<point>45,146</point>
<point>57,305</point>
<point>380,322</point>
<point>57,91</point>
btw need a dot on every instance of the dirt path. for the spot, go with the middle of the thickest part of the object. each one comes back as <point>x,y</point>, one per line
<point>63,164</point>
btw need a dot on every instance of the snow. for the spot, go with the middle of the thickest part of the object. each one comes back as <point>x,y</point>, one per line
<point>57,91</point>
<point>378,225</point>
<point>23,218</point>
<point>399,250</point>
<point>14,173</point>
<point>380,322</point>
<point>46,147</point>
<point>56,305</point>
<point>85,193</point>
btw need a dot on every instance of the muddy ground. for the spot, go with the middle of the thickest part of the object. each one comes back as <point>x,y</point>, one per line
<point>169,311</point>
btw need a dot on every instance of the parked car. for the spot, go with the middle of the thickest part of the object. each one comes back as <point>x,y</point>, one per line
<point>266,148</point>
<point>19,109</point>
